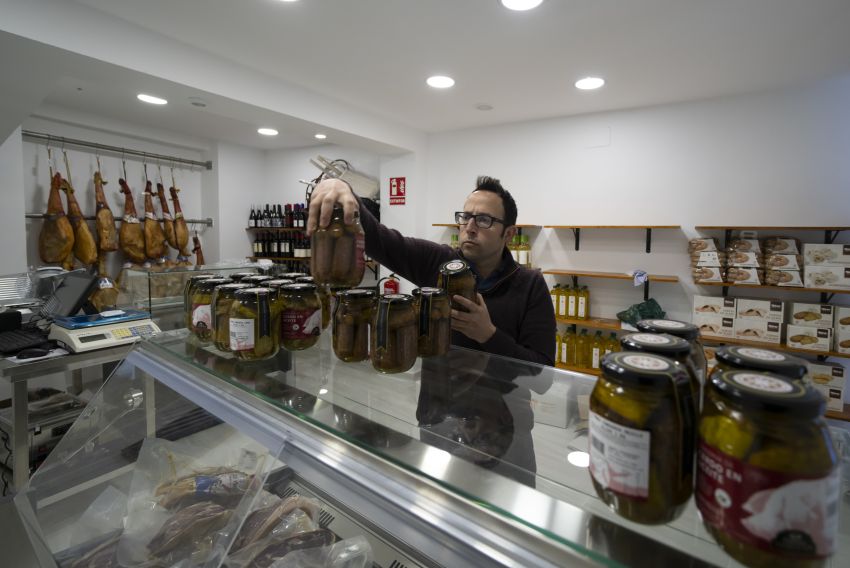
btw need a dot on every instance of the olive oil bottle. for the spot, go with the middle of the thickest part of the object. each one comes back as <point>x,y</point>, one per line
<point>525,252</point>
<point>583,301</point>
<point>558,340</point>
<point>562,302</point>
<point>612,345</point>
<point>572,302</point>
<point>555,292</point>
<point>597,350</point>
<point>514,248</point>
<point>583,349</point>
<point>568,346</point>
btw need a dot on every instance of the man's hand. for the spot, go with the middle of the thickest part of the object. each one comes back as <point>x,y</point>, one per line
<point>328,193</point>
<point>475,324</point>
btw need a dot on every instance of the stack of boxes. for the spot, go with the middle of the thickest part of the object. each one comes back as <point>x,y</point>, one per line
<point>829,379</point>
<point>827,266</point>
<point>811,326</point>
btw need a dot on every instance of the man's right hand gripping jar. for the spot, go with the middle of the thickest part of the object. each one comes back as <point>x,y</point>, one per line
<point>767,479</point>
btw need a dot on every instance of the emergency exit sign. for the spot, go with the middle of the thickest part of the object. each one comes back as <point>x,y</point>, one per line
<point>398,190</point>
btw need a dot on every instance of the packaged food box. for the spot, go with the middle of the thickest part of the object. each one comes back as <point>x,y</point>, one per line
<point>714,305</point>
<point>706,274</point>
<point>783,261</point>
<point>827,255</point>
<point>842,319</point>
<point>759,330</point>
<point>830,380</point>
<point>783,278</point>
<point>811,315</point>
<point>842,341</point>
<point>743,245</point>
<point>711,259</point>
<point>764,310</point>
<point>702,244</point>
<point>715,326</point>
<point>781,245</point>
<point>837,277</point>
<point>809,338</point>
<point>744,275</point>
<point>745,259</point>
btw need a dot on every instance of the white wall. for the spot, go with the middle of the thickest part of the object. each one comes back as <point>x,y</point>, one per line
<point>241,182</point>
<point>13,253</point>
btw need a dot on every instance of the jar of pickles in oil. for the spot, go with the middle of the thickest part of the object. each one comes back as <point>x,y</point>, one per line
<point>202,307</point>
<point>188,290</point>
<point>352,318</point>
<point>337,257</point>
<point>324,298</point>
<point>393,345</point>
<point>300,316</point>
<point>254,325</point>
<point>435,319</point>
<point>222,299</point>
<point>457,279</point>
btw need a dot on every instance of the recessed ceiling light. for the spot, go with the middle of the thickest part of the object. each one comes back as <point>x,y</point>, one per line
<point>440,82</point>
<point>197,102</point>
<point>151,99</point>
<point>521,5</point>
<point>322,391</point>
<point>289,0</point>
<point>321,136</point>
<point>579,459</point>
<point>484,106</point>
<point>267,131</point>
<point>590,83</point>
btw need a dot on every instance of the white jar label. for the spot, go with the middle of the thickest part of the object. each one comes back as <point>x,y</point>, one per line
<point>646,362</point>
<point>763,383</point>
<point>762,354</point>
<point>650,338</point>
<point>669,324</point>
<point>241,334</point>
<point>619,456</point>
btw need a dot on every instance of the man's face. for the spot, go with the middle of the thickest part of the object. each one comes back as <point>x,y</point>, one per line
<point>480,244</point>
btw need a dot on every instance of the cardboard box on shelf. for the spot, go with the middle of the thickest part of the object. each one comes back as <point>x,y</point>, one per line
<point>809,338</point>
<point>783,278</point>
<point>759,330</point>
<point>714,325</point>
<point>715,305</point>
<point>712,259</point>
<point>702,244</point>
<point>707,274</point>
<point>745,259</point>
<point>743,245</point>
<point>842,341</point>
<point>830,380</point>
<point>780,245</point>
<point>842,319</point>
<point>783,261</point>
<point>756,309</point>
<point>837,277</point>
<point>826,255</point>
<point>736,275</point>
<point>811,315</point>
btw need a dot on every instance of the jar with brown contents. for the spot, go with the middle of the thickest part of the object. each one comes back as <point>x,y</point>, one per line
<point>457,279</point>
<point>352,318</point>
<point>435,319</point>
<point>642,426</point>
<point>188,290</point>
<point>337,257</point>
<point>756,359</point>
<point>393,345</point>
<point>665,345</point>
<point>687,331</point>
<point>222,299</point>
<point>301,316</point>
<point>768,484</point>
<point>239,276</point>
<point>324,297</point>
<point>202,307</point>
<point>254,326</point>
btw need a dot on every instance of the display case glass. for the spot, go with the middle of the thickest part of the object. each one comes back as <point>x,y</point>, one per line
<point>466,459</point>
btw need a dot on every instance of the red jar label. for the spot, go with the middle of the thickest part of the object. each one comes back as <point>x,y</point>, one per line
<point>300,324</point>
<point>772,511</point>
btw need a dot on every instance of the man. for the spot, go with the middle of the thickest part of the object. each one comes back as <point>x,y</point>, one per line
<point>513,316</point>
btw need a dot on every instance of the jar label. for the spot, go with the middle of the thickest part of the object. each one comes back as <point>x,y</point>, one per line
<point>300,324</point>
<point>763,383</point>
<point>669,324</point>
<point>646,363</point>
<point>619,456</point>
<point>650,338</point>
<point>201,316</point>
<point>772,511</point>
<point>762,354</point>
<point>360,251</point>
<point>455,265</point>
<point>241,334</point>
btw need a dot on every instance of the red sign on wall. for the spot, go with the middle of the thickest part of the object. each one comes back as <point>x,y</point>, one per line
<point>398,190</point>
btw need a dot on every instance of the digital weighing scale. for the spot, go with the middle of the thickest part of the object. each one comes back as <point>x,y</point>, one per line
<point>115,327</point>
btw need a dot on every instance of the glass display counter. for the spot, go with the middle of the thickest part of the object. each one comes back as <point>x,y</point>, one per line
<point>468,459</point>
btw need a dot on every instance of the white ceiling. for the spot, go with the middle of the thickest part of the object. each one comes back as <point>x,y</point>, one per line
<point>376,54</point>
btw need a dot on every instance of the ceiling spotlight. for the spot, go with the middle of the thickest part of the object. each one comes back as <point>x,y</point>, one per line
<point>484,106</point>
<point>590,83</point>
<point>267,131</point>
<point>521,5</point>
<point>197,102</point>
<point>320,136</point>
<point>289,0</point>
<point>151,99</point>
<point>440,82</point>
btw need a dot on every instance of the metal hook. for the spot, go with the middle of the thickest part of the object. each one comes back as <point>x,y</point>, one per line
<point>173,183</point>
<point>96,157</point>
<point>67,165</point>
<point>49,157</point>
<point>159,167</point>
<point>124,166</point>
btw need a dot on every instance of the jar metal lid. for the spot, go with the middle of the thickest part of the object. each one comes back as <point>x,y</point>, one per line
<point>306,279</point>
<point>207,284</point>
<point>762,360</point>
<point>683,329</point>
<point>248,293</point>
<point>645,369</point>
<point>233,286</point>
<point>661,343</point>
<point>239,276</point>
<point>768,392</point>
<point>429,291</point>
<point>196,277</point>
<point>298,288</point>
<point>356,294</point>
<point>293,275</point>
<point>453,267</point>
<point>257,278</point>
<point>396,299</point>
<point>277,283</point>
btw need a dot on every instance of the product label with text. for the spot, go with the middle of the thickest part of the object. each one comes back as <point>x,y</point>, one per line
<point>619,457</point>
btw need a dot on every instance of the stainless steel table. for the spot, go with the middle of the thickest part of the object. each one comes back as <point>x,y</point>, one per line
<point>19,374</point>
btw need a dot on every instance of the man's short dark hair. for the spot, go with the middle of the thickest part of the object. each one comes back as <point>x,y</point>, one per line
<point>487,183</point>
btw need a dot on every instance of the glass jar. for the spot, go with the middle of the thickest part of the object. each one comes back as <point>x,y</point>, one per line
<point>294,276</point>
<point>256,280</point>
<point>665,345</point>
<point>457,279</point>
<point>768,483</point>
<point>239,276</point>
<point>201,307</point>
<point>188,290</point>
<point>642,433</point>
<point>222,299</point>
<point>393,345</point>
<point>337,252</point>
<point>324,297</point>
<point>301,316</point>
<point>352,317</point>
<point>278,282</point>
<point>435,321</point>
<point>687,331</point>
<point>756,359</point>
<point>254,326</point>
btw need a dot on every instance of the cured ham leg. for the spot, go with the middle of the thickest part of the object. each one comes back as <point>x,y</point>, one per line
<point>167,219</point>
<point>107,236</point>
<point>85,248</point>
<point>56,239</point>
<point>154,237</point>
<point>181,230</point>
<point>131,238</point>
<point>105,295</point>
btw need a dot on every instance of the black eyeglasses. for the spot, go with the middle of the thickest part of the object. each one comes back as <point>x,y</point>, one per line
<point>482,220</point>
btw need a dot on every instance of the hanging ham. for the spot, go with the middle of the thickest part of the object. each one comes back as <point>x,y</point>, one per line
<point>167,219</point>
<point>154,237</point>
<point>131,238</point>
<point>56,239</point>
<point>107,236</point>
<point>85,248</point>
<point>105,295</point>
<point>181,230</point>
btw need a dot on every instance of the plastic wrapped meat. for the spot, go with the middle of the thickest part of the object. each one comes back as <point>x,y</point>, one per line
<point>188,526</point>
<point>220,484</point>
<point>261,522</point>
<point>277,550</point>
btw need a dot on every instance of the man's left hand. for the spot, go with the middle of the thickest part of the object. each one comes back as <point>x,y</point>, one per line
<point>475,324</point>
